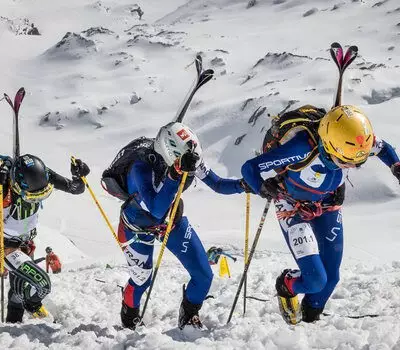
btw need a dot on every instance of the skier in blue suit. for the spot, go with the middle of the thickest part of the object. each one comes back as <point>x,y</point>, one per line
<point>151,176</point>
<point>308,193</point>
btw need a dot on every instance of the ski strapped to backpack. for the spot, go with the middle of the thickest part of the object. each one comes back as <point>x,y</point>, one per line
<point>114,177</point>
<point>141,149</point>
<point>19,96</point>
<point>342,60</point>
<point>203,76</point>
<point>306,118</point>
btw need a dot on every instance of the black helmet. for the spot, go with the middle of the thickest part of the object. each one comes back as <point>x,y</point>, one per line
<point>30,179</point>
<point>48,250</point>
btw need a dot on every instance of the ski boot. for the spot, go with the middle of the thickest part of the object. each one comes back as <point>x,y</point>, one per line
<point>189,313</point>
<point>310,314</point>
<point>130,317</point>
<point>41,312</point>
<point>288,301</point>
<point>37,310</point>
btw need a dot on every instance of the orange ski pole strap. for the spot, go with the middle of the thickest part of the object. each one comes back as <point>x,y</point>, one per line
<point>73,160</point>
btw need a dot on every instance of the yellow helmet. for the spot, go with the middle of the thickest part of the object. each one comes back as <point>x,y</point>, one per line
<point>346,133</point>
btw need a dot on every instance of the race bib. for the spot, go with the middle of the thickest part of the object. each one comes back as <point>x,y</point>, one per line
<point>311,176</point>
<point>302,240</point>
<point>139,275</point>
<point>16,259</point>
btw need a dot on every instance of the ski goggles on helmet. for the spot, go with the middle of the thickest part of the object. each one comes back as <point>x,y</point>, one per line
<point>34,196</point>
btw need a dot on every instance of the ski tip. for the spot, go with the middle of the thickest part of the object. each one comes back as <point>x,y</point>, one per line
<point>335,45</point>
<point>199,64</point>
<point>353,48</point>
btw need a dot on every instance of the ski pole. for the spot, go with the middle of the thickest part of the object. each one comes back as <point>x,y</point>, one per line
<point>2,252</point>
<point>229,256</point>
<point>73,160</point>
<point>164,243</point>
<point>118,285</point>
<point>252,250</point>
<point>246,248</point>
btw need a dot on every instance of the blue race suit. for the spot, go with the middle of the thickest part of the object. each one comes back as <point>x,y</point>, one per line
<point>316,244</point>
<point>147,213</point>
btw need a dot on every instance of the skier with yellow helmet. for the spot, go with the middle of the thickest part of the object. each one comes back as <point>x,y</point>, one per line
<point>312,159</point>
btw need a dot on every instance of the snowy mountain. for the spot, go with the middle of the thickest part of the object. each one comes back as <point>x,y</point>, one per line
<point>100,74</point>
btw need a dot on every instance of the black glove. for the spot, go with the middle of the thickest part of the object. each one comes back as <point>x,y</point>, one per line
<point>396,170</point>
<point>186,162</point>
<point>245,186</point>
<point>338,195</point>
<point>5,172</point>
<point>79,169</point>
<point>270,188</point>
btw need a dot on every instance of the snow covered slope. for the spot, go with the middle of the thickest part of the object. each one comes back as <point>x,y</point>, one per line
<point>82,75</point>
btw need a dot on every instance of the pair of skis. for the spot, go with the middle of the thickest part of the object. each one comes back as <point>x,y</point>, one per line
<point>342,60</point>
<point>16,152</point>
<point>203,77</point>
<point>19,97</point>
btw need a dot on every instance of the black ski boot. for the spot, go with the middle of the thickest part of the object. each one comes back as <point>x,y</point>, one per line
<point>189,313</point>
<point>130,317</point>
<point>288,301</point>
<point>310,314</point>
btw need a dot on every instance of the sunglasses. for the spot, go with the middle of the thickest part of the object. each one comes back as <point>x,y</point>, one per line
<point>34,197</point>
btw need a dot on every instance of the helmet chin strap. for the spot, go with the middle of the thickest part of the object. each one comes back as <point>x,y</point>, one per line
<point>326,159</point>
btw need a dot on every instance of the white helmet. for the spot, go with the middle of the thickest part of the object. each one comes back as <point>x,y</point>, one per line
<point>172,141</point>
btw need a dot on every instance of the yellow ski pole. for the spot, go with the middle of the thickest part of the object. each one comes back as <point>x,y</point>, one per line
<point>2,252</point>
<point>246,248</point>
<point>73,160</point>
<point>164,243</point>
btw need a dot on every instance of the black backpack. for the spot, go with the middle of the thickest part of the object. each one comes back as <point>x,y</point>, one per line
<point>114,177</point>
<point>284,127</point>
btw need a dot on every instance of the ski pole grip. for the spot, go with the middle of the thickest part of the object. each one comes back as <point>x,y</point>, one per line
<point>73,161</point>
